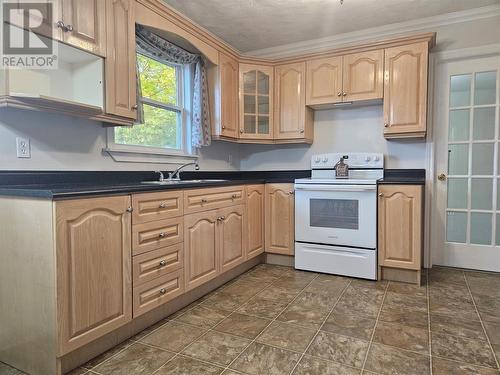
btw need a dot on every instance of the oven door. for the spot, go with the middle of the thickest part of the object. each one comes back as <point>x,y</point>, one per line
<point>344,215</point>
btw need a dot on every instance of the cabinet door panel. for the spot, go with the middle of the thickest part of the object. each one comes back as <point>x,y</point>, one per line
<point>256,85</point>
<point>280,220</point>
<point>88,21</point>
<point>324,81</point>
<point>400,226</point>
<point>405,90</point>
<point>120,61</point>
<point>255,220</point>
<point>232,241</point>
<point>93,269</point>
<point>363,76</point>
<point>229,96</point>
<point>290,101</point>
<point>201,246</point>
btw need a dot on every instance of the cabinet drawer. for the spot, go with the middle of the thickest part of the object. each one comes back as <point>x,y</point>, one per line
<point>197,200</point>
<point>156,234</point>
<point>157,292</point>
<point>153,264</point>
<point>156,206</point>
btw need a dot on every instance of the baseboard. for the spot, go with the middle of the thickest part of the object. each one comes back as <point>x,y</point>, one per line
<point>280,260</point>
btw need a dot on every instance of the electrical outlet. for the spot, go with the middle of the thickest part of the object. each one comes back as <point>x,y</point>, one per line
<point>23,147</point>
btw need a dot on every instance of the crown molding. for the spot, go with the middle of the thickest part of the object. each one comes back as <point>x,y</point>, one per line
<point>467,53</point>
<point>391,30</point>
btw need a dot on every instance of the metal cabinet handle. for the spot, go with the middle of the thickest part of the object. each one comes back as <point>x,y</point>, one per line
<point>301,131</point>
<point>386,125</point>
<point>234,196</point>
<point>339,94</point>
<point>442,177</point>
<point>163,291</point>
<point>204,200</point>
<point>241,131</point>
<point>163,205</point>
<point>63,27</point>
<point>163,263</point>
<point>223,127</point>
<point>130,209</point>
<point>381,195</point>
<point>134,107</point>
<point>162,235</point>
<point>291,193</point>
<point>344,94</point>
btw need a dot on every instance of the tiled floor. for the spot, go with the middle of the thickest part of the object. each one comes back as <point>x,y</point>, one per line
<point>275,320</point>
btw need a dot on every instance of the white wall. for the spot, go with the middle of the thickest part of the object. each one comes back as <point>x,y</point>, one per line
<point>60,142</point>
<point>356,129</point>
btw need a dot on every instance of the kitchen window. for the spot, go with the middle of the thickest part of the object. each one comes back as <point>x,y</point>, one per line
<point>165,100</point>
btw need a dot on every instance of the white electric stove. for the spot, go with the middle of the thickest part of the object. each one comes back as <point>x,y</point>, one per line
<point>336,218</point>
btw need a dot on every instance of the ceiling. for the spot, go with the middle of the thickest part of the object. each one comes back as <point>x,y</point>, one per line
<point>255,24</point>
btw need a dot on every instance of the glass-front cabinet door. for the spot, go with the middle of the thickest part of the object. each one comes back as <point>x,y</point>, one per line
<point>256,102</point>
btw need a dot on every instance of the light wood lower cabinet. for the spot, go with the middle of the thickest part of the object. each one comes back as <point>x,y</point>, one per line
<point>280,219</point>
<point>231,226</point>
<point>201,245</point>
<point>93,269</point>
<point>255,220</point>
<point>400,231</point>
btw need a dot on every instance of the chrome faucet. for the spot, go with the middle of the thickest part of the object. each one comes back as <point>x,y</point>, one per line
<point>174,176</point>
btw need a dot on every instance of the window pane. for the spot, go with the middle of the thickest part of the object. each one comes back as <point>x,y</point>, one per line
<point>460,90</point>
<point>458,159</point>
<point>480,228</point>
<point>482,193</point>
<point>459,125</point>
<point>497,234</point>
<point>485,88</point>
<point>160,129</point>
<point>456,227</point>
<point>482,159</point>
<point>484,123</point>
<point>158,81</point>
<point>457,193</point>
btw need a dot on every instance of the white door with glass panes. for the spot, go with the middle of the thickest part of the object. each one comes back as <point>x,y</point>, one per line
<point>466,229</point>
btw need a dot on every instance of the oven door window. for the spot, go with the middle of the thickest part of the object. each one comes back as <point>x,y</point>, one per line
<point>334,213</point>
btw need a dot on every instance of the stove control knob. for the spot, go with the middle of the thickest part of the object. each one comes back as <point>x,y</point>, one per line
<point>317,159</point>
<point>376,158</point>
<point>368,158</point>
<point>325,159</point>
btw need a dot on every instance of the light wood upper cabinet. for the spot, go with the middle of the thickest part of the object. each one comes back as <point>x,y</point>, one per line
<point>363,76</point>
<point>292,119</point>
<point>232,238</point>
<point>120,61</point>
<point>324,81</point>
<point>93,269</point>
<point>405,91</point>
<point>280,219</point>
<point>228,96</point>
<point>85,24</point>
<point>256,102</point>
<point>255,220</point>
<point>201,247</point>
<point>400,226</point>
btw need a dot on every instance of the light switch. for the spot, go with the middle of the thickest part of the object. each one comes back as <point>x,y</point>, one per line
<point>23,147</point>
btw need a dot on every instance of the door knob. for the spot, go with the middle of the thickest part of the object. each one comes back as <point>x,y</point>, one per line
<point>442,177</point>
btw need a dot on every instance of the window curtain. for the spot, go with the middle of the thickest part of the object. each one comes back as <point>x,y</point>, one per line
<point>154,46</point>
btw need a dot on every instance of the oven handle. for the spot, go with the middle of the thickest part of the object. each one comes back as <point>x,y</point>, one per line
<point>336,188</point>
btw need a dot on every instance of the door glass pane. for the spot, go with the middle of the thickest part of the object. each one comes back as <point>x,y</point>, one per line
<point>460,90</point>
<point>480,228</point>
<point>484,123</point>
<point>263,125</point>
<point>263,83</point>
<point>497,231</point>
<point>249,103</point>
<point>263,104</point>
<point>249,124</point>
<point>485,88</point>
<point>249,82</point>
<point>458,159</point>
<point>456,227</point>
<point>334,213</point>
<point>457,192</point>
<point>482,193</point>
<point>459,125</point>
<point>482,159</point>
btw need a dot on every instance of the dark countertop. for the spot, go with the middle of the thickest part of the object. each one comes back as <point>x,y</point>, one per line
<point>403,177</point>
<point>65,185</point>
